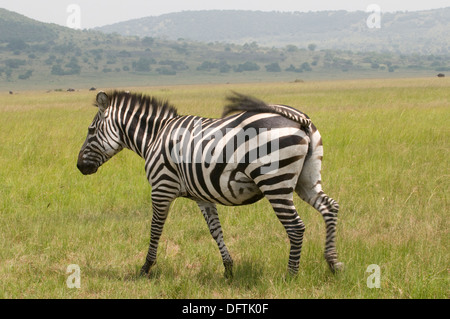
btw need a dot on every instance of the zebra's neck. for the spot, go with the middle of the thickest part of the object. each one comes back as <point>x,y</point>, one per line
<point>139,136</point>
<point>139,119</point>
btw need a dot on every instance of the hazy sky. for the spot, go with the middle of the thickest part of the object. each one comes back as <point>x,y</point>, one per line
<point>101,12</point>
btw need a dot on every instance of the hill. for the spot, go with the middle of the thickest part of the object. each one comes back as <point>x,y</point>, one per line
<point>35,55</point>
<point>423,32</point>
<point>14,26</point>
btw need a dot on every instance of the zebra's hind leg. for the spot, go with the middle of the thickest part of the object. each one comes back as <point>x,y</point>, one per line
<point>160,206</point>
<point>283,205</point>
<point>209,212</point>
<point>328,208</point>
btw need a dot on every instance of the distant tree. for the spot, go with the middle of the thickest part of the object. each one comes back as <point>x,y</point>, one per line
<point>17,45</point>
<point>51,59</point>
<point>166,71</point>
<point>111,60</point>
<point>72,68</point>
<point>207,66</point>
<point>291,48</point>
<point>142,65</point>
<point>180,48</point>
<point>26,75</point>
<point>66,48</point>
<point>251,47</point>
<point>292,68</point>
<point>175,65</point>
<point>312,47</point>
<point>224,67</point>
<point>124,54</point>
<point>14,63</point>
<point>41,47</point>
<point>306,67</point>
<point>273,67</point>
<point>247,66</point>
<point>148,41</point>
<point>97,53</point>
<point>73,64</point>
<point>57,70</point>
<point>316,60</point>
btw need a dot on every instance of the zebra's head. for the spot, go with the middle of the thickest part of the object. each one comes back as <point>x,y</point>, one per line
<point>103,138</point>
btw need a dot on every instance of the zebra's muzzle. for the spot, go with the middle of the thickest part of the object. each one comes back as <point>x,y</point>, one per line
<point>87,168</point>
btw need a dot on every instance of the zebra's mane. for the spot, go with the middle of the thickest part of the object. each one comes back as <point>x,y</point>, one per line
<point>142,101</point>
<point>240,103</point>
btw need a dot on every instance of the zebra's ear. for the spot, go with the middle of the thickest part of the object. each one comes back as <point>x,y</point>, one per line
<point>102,101</point>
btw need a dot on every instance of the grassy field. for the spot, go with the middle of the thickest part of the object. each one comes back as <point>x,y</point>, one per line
<point>386,163</point>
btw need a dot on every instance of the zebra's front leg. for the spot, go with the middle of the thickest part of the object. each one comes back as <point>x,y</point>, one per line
<point>160,212</point>
<point>209,212</point>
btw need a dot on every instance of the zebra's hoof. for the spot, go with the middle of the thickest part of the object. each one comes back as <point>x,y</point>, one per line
<point>143,273</point>
<point>337,267</point>
<point>145,270</point>
<point>228,270</point>
<point>228,274</point>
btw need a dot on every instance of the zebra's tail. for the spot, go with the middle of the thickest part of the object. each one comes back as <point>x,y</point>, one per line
<point>240,103</point>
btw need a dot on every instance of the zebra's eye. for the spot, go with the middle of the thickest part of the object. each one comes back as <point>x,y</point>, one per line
<point>91,130</point>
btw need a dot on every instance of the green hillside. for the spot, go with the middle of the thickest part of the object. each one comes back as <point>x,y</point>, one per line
<point>58,58</point>
<point>422,32</point>
<point>14,26</point>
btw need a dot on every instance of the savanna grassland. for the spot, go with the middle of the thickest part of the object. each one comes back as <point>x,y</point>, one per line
<point>386,163</point>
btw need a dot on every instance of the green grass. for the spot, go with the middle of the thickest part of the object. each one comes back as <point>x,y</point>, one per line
<point>386,162</point>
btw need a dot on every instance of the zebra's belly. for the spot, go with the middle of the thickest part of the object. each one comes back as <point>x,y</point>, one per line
<point>232,188</point>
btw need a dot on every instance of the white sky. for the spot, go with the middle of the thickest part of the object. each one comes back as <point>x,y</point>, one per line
<point>95,13</point>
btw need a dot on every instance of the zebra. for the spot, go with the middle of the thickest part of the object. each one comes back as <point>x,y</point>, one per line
<point>197,158</point>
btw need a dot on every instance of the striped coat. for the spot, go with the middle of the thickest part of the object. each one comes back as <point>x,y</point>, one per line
<point>264,150</point>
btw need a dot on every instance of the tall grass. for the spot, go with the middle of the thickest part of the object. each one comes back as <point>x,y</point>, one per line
<point>386,162</point>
